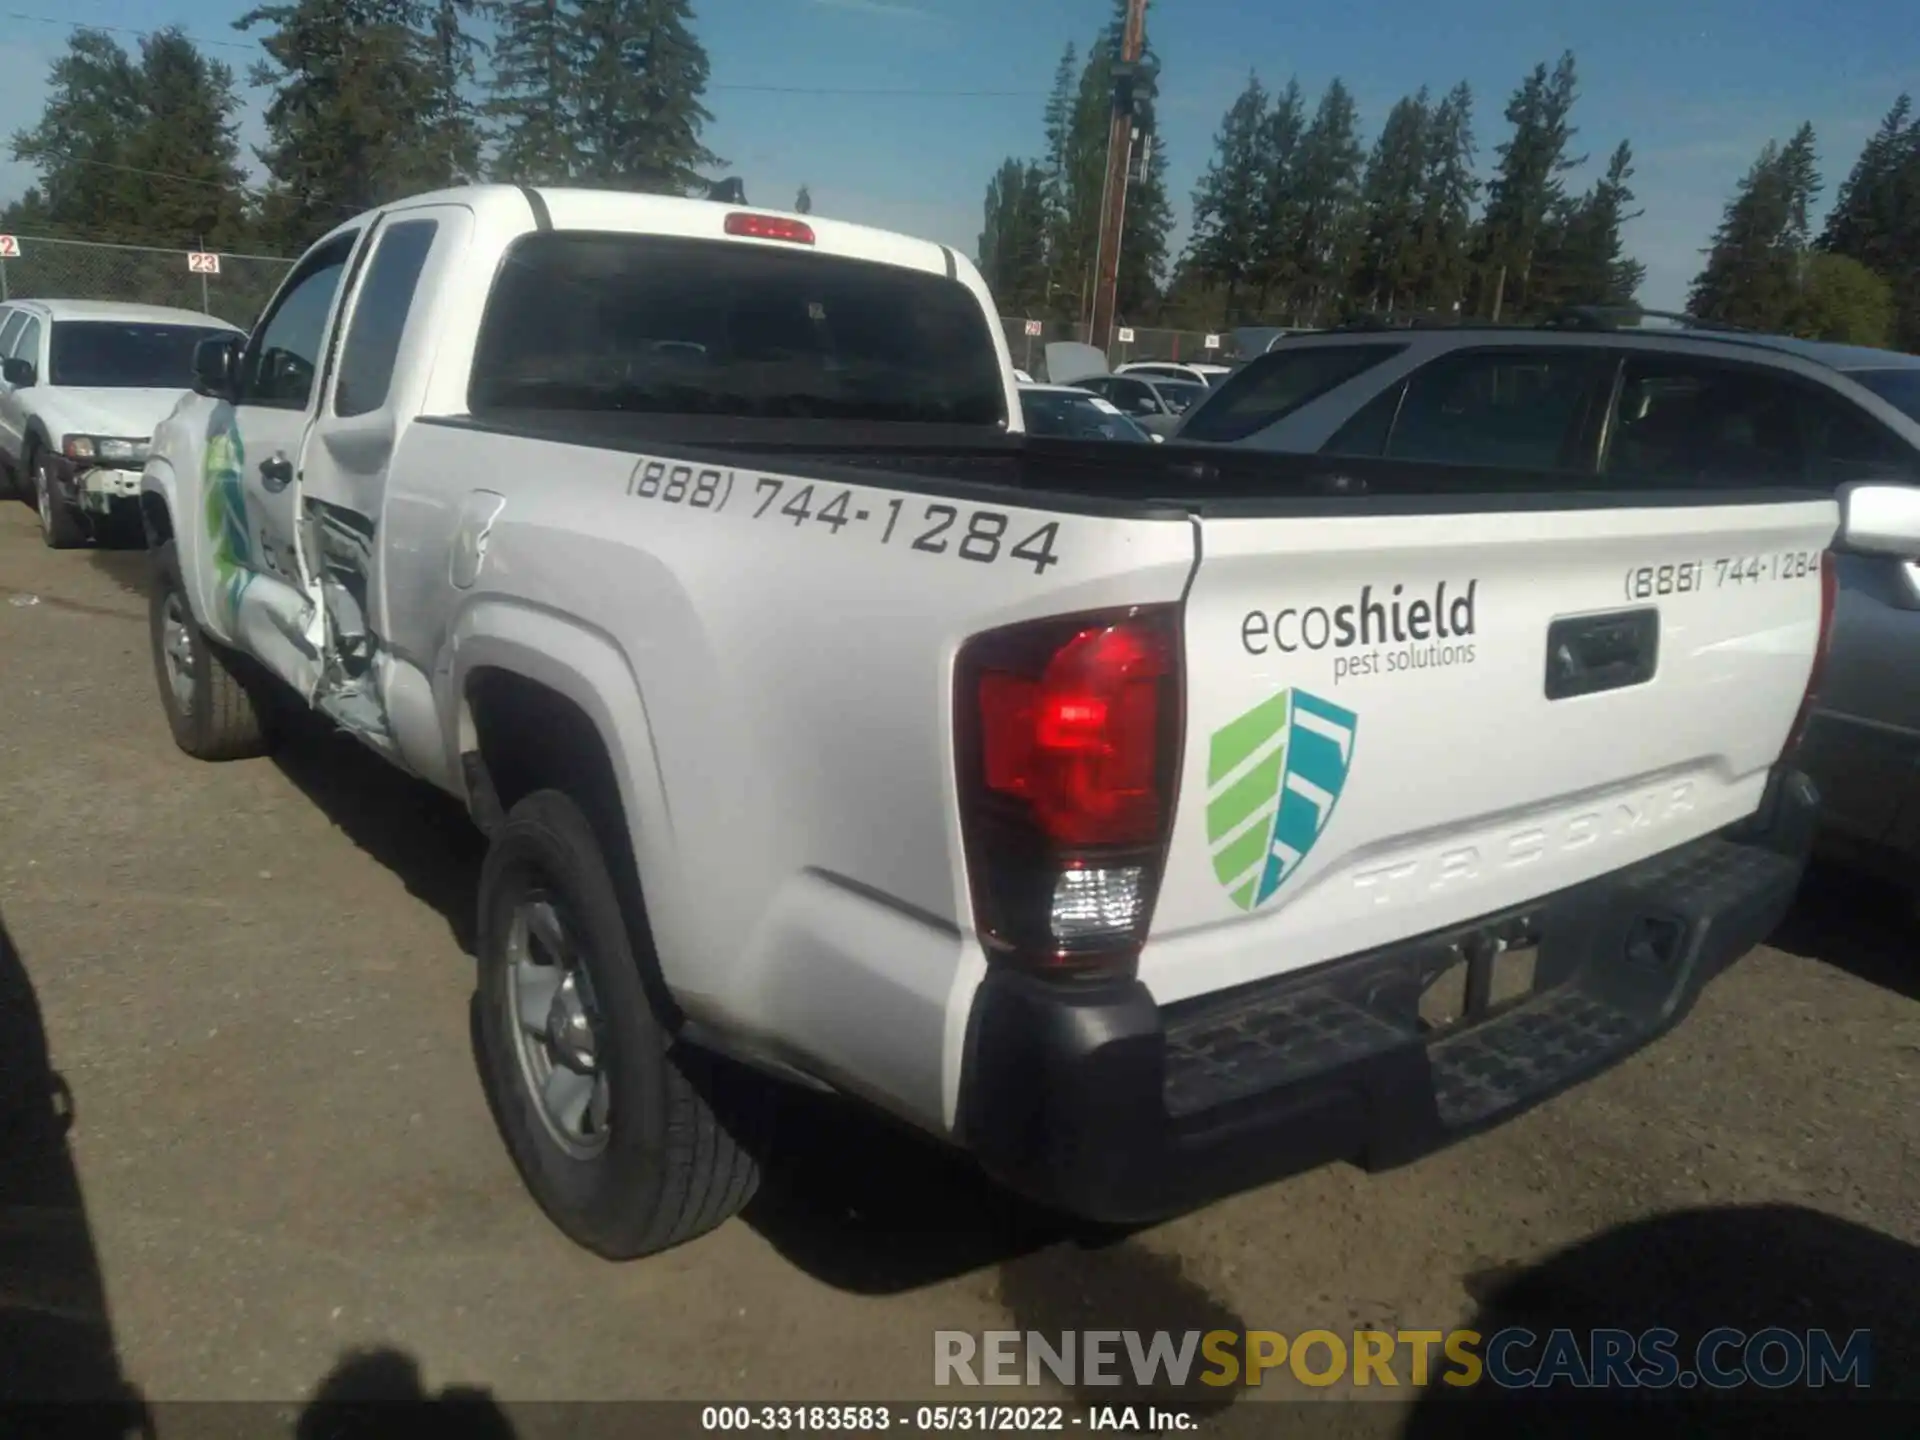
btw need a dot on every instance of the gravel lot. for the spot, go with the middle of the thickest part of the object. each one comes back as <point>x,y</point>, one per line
<point>252,981</point>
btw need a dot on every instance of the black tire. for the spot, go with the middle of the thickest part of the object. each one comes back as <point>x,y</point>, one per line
<point>672,1164</point>
<point>60,525</point>
<point>225,718</point>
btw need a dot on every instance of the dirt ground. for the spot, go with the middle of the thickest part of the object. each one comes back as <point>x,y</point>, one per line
<point>251,983</point>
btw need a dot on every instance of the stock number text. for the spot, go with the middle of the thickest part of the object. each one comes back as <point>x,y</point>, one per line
<point>932,527</point>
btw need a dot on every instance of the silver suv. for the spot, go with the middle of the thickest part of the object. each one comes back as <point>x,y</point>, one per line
<point>1719,408</point>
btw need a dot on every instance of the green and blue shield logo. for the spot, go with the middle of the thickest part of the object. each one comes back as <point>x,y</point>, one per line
<point>1273,778</point>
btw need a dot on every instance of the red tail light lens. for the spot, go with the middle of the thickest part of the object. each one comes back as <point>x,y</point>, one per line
<point>1829,583</point>
<point>1079,742</point>
<point>769,227</point>
<point>1069,736</point>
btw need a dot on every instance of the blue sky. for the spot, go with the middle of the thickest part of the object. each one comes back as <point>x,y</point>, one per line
<point>1697,86</point>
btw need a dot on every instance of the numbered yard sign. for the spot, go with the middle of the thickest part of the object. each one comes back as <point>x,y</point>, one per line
<point>1126,335</point>
<point>9,247</point>
<point>1213,342</point>
<point>1034,327</point>
<point>203,262</point>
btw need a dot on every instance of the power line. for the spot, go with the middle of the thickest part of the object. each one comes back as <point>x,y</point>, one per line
<point>852,92</point>
<point>116,29</point>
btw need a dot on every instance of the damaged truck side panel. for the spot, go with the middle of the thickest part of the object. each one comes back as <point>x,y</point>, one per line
<point>277,527</point>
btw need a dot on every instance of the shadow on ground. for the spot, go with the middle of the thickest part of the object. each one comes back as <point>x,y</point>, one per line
<point>1692,1272</point>
<point>380,1395</point>
<point>417,832</point>
<point>56,1337</point>
<point>1864,925</point>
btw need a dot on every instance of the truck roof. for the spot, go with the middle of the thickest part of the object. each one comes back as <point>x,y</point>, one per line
<point>544,207</point>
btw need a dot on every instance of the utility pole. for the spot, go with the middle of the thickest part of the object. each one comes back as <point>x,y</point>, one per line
<point>1113,200</point>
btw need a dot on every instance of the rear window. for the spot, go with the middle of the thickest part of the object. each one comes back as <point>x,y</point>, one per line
<point>1275,385</point>
<point>653,324</point>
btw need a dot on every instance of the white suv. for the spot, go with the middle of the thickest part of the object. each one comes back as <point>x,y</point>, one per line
<point>83,384</point>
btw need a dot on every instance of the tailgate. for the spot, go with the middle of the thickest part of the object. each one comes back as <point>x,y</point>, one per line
<point>1400,723</point>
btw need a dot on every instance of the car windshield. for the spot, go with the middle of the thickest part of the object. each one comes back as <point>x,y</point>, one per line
<point>1076,417</point>
<point>1899,388</point>
<point>122,355</point>
<point>1179,394</point>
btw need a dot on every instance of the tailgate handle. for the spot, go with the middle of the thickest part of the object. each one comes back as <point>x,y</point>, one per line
<point>1591,653</point>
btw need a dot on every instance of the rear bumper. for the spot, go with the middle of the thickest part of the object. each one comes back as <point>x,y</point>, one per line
<point>1106,1105</point>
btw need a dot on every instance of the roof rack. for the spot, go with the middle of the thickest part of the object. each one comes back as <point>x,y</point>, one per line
<point>1629,317</point>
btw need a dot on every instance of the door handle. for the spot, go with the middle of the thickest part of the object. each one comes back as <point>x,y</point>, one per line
<point>1591,653</point>
<point>276,473</point>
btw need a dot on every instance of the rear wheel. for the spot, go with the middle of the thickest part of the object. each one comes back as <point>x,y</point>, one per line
<point>630,1145</point>
<point>212,713</point>
<point>60,526</point>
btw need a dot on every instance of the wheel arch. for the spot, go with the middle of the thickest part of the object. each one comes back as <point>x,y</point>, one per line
<point>535,702</point>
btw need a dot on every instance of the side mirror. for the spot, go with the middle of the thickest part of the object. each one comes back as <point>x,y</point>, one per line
<point>1880,518</point>
<point>216,367</point>
<point>17,372</point>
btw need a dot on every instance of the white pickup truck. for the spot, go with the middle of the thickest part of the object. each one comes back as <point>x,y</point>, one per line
<point>1117,813</point>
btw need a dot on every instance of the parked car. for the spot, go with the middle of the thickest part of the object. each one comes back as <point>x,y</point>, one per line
<point>83,383</point>
<point>1175,370</point>
<point>1106,810</point>
<point>1063,410</point>
<point>1707,408</point>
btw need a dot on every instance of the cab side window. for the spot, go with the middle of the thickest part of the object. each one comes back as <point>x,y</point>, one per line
<point>1689,420</point>
<point>11,325</point>
<point>1509,408</point>
<point>380,317</point>
<point>282,359</point>
<point>1844,443</point>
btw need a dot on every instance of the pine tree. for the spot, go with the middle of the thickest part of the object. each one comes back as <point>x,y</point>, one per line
<point>1227,201</point>
<point>1389,257</point>
<point>1276,268</point>
<point>187,188</point>
<point>453,123</point>
<point>349,124</point>
<point>1013,240</point>
<point>1448,190</point>
<point>1755,268</point>
<point>639,73</point>
<point>1581,258</point>
<point>532,94</point>
<point>1059,125</point>
<point>1876,216</point>
<point>1084,185</point>
<point>82,140</point>
<point>1528,188</point>
<point>803,201</point>
<point>142,153</point>
<point>1328,168</point>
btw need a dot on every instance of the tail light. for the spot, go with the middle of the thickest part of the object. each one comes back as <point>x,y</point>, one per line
<point>1828,584</point>
<point>768,227</point>
<point>1068,736</point>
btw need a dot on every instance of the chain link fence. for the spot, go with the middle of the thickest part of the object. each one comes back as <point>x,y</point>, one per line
<point>46,269</point>
<point>1028,341</point>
